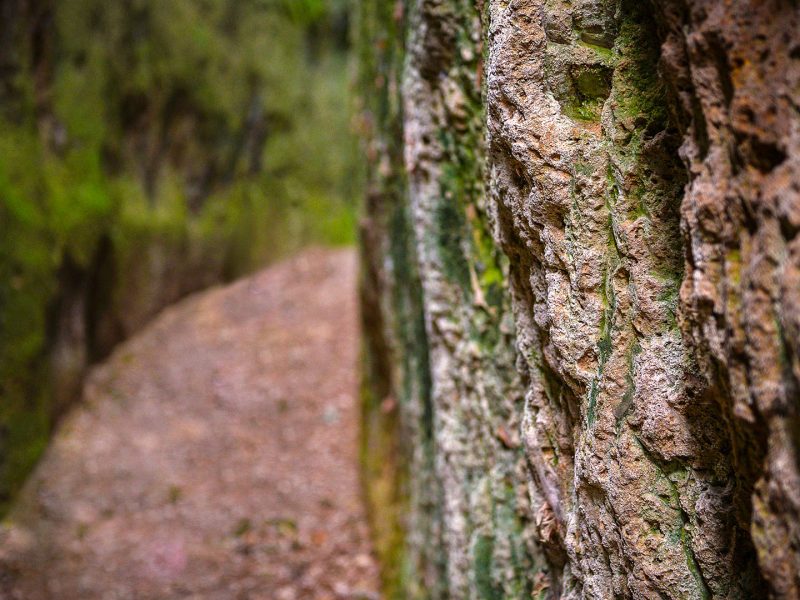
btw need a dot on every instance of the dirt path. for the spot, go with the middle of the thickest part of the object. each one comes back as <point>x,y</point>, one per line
<point>213,456</point>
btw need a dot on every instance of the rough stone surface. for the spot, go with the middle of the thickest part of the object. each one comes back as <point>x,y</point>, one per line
<point>636,163</point>
<point>734,73</point>
<point>435,303</point>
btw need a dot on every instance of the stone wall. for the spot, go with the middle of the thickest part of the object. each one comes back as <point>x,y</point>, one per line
<point>581,297</point>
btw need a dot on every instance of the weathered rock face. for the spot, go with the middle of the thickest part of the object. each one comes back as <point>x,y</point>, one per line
<point>621,178</point>
<point>436,314</point>
<point>735,75</point>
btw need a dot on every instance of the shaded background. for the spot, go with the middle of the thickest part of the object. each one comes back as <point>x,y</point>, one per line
<point>149,149</point>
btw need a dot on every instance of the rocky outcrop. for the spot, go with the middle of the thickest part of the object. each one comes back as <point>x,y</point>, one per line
<point>621,178</point>
<point>734,73</point>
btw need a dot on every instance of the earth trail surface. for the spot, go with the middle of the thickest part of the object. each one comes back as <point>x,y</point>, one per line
<point>213,456</point>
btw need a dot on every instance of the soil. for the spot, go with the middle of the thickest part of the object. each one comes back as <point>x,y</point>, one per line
<point>212,456</point>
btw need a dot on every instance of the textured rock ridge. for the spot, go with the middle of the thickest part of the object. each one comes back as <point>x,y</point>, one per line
<point>629,450</point>
<point>436,307</point>
<point>599,208</point>
<point>734,72</point>
<point>474,420</point>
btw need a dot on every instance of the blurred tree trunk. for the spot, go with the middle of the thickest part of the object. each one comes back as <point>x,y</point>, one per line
<point>582,297</point>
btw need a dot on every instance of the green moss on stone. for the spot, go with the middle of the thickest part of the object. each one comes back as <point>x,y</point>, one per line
<point>450,231</point>
<point>482,568</point>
